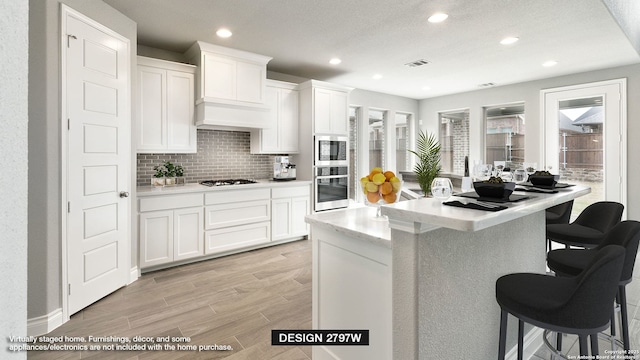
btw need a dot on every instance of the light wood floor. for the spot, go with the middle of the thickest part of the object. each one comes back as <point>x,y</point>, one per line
<point>235,300</point>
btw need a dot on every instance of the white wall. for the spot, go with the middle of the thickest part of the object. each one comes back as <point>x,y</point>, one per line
<point>529,93</point>
<point>14,16</point>
<point>45,201</point>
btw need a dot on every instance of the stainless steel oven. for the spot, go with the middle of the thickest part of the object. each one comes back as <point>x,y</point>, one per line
<point>331,151</point>
<point>331,185</point>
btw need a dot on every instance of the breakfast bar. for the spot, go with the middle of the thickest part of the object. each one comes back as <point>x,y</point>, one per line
<point>423,281</point>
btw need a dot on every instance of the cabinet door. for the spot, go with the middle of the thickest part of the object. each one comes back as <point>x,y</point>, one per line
<point>250,80</point>
<point>188,233</point>
<point>339,113</point>
<point>300,207</point>
<point>156,238</point>
<point>322,111</point>
<point>280,219</point>
<point>152,131</point>
<point>181,129</point>
<point>269,137</point>
<point>288,121</point>
<point>219,77</point>
<point>237,237</point>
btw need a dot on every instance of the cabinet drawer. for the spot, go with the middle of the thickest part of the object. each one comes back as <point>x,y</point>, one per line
<point>236,237</point>
<point>169,202</point>
<point>233,196</point>
<point>288,192</point>
<point>239,213</point>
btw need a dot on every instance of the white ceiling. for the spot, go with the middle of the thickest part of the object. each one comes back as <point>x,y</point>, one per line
<point>380,36</point>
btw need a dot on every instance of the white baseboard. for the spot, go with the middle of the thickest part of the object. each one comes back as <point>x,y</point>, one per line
<point>134,274</point>
<point>532,342</point>
<point>45,323</point>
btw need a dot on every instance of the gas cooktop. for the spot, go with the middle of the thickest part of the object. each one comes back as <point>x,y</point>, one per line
<point>227,182</point>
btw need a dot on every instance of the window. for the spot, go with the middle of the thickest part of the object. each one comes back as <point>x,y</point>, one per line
<point>504,139</point>
<point>454,141</point>
<point>377,156</point>
<point>403,136</point>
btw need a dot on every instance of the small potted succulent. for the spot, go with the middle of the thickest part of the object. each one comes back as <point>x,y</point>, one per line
<point>158,178</point>
<point>179,175</point>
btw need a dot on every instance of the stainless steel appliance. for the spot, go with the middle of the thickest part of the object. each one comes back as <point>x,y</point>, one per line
<point>227,182</point>
<point>283,169</point>
<point>331,151</point>
<point>331,184</point>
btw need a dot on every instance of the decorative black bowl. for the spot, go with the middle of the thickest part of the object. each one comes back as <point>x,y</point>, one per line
<point>543,180</point>
<point>499,191</point>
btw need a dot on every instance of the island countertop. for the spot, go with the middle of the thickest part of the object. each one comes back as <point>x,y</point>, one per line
<point>431,211</point>
<point>359,222</point>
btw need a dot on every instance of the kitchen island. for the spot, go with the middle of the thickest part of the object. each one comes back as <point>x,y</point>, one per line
<point>423,282</point>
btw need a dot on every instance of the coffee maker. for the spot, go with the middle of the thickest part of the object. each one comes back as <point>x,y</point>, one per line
<point>283,169</point>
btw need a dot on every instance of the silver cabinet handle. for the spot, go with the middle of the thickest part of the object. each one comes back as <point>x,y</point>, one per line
<point>124,194</point>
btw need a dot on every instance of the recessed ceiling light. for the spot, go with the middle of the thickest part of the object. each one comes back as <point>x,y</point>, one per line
<point>224,33</point>
<point>335,61</point>
<point>377,77</point>
<point>550,63</point>
<point>426,88</point>
<point>509,40</point>
<point>437,17</point>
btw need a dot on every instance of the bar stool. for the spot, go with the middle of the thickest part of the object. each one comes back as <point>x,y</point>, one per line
<point>571,262</point>
<point>575,305</point>
<point>590,227</point>
<point>559,214</point>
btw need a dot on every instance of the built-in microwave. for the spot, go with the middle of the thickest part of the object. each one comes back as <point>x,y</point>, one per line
<point>331,151</point>
<point>331,187</point>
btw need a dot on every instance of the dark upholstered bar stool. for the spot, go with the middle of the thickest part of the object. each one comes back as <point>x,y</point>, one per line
<point>590,227</point>
<point>571,262</point>
<point>559,214</point>
<point>574,305</point>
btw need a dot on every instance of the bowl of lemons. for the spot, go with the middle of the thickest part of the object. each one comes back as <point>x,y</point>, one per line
<point>381,187</point>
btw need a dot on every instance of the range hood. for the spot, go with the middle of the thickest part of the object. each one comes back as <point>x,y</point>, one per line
<point>230,87</point>
<point>228,116</point>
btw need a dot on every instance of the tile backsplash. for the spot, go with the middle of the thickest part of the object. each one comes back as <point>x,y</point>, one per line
<point>221,155</point>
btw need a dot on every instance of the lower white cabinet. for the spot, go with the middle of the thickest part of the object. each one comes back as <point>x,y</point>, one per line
<point>236,219</point>
<point>289,206</point>
<point>169,232</point>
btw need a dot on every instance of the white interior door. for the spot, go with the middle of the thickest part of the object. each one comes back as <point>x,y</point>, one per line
<point>96,103</point>
<point>614,158</point>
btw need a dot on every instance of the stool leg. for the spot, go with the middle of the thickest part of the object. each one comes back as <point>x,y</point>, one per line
<point>520,339</point>
<point>582,340</point>
<point>623,313</point>
<point>594,345</point>
<point>559,341</point>
<point>503,335</point>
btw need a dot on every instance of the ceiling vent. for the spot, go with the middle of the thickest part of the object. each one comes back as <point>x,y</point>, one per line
<point>489,84</point>
<point>417,63</point>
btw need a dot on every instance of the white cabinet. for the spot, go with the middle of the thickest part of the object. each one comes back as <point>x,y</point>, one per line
<point>227,78</point>
<point>171,229</point>
<point>330,111</point>
<point>289,206</point>
<point>237,218</point>
<point>165,107</point>
<point>281,137</point>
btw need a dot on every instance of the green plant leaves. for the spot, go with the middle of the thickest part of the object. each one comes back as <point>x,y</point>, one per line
<point>427,166</point>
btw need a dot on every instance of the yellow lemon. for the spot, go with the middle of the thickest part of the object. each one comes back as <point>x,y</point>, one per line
<point>395,182</point>
<point>378,178</point>
<point>371,187</point>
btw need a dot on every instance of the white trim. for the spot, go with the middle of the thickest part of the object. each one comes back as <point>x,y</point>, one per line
<point>44,324</point>
<point>531,342</point>
<point>134,274</point>
<point>66,11</point>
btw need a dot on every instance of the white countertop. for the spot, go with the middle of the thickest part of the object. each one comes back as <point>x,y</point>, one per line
<point>431,211</point>
<point>358,222</point>
<point>143,191</point>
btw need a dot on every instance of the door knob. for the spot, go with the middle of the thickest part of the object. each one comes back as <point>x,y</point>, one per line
<point>124,194</point>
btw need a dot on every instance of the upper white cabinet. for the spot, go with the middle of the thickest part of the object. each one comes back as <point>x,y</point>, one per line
<point>165,107</point>
<point>281,137</point>
<point>230,86</point>
<point>325,106</point>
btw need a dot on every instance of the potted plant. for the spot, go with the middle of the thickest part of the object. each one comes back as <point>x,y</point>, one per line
<point>170,173</point>
<point>427,166</point>
<point>158,178</point>
<point>179,175</point>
